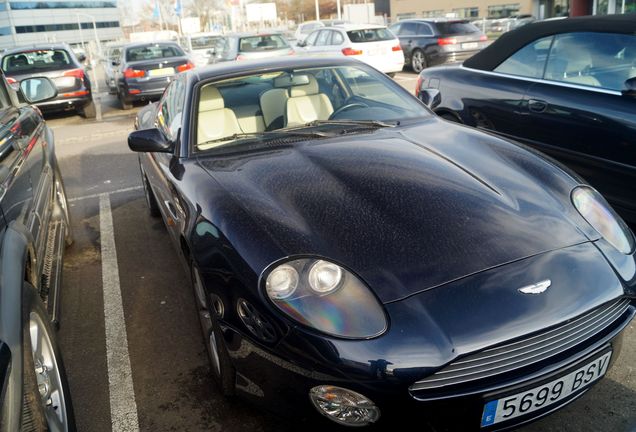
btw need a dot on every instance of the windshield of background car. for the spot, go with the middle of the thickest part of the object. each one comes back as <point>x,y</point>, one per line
<point>456,28</point>
<point>207,42</point>
<point>262,43</point>
<point>370,35</point>
<point>297,100</point>
<point>153,52</point>
<point>36,61</point>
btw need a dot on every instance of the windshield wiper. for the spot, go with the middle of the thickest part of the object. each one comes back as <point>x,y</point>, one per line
<point>267,135</point>
<point>366,123</point>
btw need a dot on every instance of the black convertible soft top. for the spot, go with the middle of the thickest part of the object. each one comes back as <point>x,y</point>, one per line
<point>510,42</point>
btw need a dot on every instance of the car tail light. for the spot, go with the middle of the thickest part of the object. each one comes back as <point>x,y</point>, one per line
<point>418,85</point>
<point>351,51</point>
<point>77,73</point>
<point>185,67</point>
<point>240,57</point>
<point>134,73</point>
<point>291,52</point>
<point>483,38</point>
<point>446,41</point>
<point>75,94</point>
<point>11,80</point>
<point>134,91</point>
<point>396,48</point>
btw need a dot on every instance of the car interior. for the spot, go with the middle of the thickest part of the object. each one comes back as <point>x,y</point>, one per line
<point>287,99</point>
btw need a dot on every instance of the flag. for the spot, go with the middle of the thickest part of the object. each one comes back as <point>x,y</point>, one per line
<point>178,10</point>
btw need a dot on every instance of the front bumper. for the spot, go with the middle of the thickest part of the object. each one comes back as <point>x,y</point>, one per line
<point>431,330</point>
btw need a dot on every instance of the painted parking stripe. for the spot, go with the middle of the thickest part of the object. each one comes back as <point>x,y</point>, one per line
<point>98,195</point>
<point>123,408</point>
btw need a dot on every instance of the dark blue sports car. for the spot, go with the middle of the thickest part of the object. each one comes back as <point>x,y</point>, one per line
<point>353,255</point>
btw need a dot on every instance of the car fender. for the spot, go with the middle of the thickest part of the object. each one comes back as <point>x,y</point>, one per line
<point>16,248</point>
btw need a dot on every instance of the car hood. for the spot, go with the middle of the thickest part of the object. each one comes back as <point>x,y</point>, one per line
<point>407,209</point>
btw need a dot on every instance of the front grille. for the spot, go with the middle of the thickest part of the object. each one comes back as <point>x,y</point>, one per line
<point>516,355</point>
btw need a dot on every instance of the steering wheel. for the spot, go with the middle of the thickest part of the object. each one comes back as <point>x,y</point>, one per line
<point>346,107</point>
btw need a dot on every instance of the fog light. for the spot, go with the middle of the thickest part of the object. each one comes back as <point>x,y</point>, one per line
<point>344,406</point>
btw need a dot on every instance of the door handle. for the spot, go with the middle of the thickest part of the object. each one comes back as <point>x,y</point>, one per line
<point>172,211</point>
<point>536,105</point>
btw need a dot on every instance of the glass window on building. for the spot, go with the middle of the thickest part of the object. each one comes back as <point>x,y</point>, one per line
<point>608,7</point>
<point>408,15</point>
<point>503,10</point>
<point>25,5</point>
<point>470,12</point>
<point>433,13</point>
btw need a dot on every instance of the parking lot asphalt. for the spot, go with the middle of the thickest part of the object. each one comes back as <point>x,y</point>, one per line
<point>123,283</point>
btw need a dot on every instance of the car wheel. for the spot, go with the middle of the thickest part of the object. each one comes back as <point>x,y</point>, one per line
<point>125,103</point>
<point>151,200</point>
<point>46,401</point>
<point>418,61</point>
<point>223,372</point>
<point>88,111</point>
<point>391,75</point>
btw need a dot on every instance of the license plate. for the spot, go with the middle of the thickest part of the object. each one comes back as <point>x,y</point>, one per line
<point>161,72</point>
<point>523,403</point>
<point>470,45</point>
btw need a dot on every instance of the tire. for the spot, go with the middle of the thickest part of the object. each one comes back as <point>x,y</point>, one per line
<point>223,372</point>
<point>418,61</point>
<point>123,102</point>
<point>51,409</point>
<point>151,200</point>
<point>391,75</point>
<point>88,111</point>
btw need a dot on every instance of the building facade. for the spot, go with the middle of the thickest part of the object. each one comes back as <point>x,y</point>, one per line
<point>493,9</point>
<point>73,22</point>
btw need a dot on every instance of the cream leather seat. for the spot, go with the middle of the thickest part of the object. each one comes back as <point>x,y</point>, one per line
<point>215,121</point>
<point>306,104</point>
<point>273,103</point>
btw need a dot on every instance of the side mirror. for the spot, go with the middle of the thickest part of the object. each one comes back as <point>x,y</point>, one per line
<point>38,89</point>
<point>81,57</point>
<point>115,62</point>
<point>629,88</point>
<point>150,141</point>
<point>301,44</point>
<point>431,97</point>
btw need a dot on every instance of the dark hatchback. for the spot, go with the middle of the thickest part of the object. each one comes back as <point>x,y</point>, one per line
<point>566,87</point>
<point>59,63</point>
<point>430,42</point>
<point>370,262</point>
<point>145,70</point>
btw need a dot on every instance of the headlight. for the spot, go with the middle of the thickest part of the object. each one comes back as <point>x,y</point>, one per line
<point>324,296</point>
<point>603,218</point>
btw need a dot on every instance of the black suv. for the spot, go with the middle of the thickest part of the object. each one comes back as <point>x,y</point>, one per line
<point>34,230</point>
<point>430,42</point>
<point>59,63</point>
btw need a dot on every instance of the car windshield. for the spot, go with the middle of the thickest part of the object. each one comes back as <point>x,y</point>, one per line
<point>207,42</point>
<point>456,28</point>
<point>310,102</point>
<point>35,61</point>
<point>370,35</point>
<point>262,43</point>
<point>153,52</point>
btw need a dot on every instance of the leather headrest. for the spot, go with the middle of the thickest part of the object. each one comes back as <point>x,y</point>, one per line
<point>211,99</point>
<point>311,88</point>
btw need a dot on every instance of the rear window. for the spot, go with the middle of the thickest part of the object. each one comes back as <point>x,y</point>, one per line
<point>203,42</point>
<point>36,61</point>
<point>370,35</point>
<point>262,43</point>
<point>152,52</point>
<point>456,28</point>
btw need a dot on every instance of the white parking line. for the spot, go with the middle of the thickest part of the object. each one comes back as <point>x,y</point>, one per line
<point>123,408</point>
<point>98,195</point>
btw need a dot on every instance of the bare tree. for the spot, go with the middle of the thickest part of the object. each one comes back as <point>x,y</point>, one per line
<point>204,9</point>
